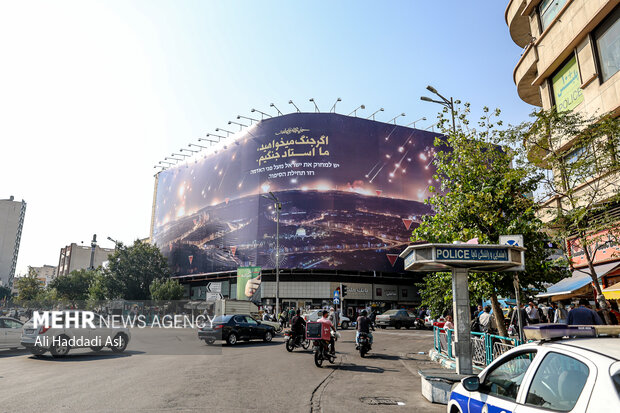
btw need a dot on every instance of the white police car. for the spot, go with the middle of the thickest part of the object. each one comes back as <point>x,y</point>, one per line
<point>567,375</point>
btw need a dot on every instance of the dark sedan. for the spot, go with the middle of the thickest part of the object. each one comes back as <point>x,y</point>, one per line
<point>232,328</point>
<point>397,319</point>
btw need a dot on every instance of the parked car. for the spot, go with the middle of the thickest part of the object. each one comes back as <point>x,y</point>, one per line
<point>276,326</point>
<point>344,322</point>
<point>10,332</point>
<point>396,319</point>
<point>577,375</point>
<point>232,328</point>
<point>58,341</point>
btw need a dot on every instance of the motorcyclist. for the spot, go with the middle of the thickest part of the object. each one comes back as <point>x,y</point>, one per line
<point>324,319</point>
<point>363,326</point>
<point>298,325</point>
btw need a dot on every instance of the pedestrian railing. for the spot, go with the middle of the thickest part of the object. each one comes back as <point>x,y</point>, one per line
<point>486,347</point>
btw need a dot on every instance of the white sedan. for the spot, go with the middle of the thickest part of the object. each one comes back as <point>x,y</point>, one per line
<point>10,332</point>
<point>569,375</point>
<point>314,315</point>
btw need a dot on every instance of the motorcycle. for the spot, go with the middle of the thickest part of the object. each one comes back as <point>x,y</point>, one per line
<point>418,324</point>
<point>321,352</point>
<point>363,343</point>
<point>294,341</point>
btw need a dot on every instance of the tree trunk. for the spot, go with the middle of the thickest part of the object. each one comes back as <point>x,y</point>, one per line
<point>499,316</point>
<point>597,286</point>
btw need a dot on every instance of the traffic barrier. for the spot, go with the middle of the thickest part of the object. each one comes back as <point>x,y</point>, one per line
<point>486,347</point>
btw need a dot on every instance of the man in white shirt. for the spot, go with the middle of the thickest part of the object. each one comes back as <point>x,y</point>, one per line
<point>532,313</point>
<point>486,320</point>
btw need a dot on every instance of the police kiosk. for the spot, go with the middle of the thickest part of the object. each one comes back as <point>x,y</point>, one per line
<point>460,259</point>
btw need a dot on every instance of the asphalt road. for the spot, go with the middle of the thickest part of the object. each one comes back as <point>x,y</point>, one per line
<point>172,371</point>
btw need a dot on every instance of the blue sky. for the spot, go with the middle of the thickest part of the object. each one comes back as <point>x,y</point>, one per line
<point>95,93</point>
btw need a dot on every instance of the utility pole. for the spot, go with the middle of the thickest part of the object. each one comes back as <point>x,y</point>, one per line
<point>93,245</point>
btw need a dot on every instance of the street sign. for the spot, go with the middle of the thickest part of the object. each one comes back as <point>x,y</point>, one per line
<point>514,241</point>
<point>214,296</point>
<point>336,293</point>
<point>336,300</point>
<point>214,287</point>
<point>471,254</point>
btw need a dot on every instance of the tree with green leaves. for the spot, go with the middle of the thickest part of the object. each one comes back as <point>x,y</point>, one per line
<point>166,290</point>
<point>29,287</point>
<point>579,158</point>
<point>5,293</point>
<point>482,195</point>
<point>75,285</point>
<point>133,269</point>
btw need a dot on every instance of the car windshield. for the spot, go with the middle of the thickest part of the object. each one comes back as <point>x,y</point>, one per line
<point>390,312</point>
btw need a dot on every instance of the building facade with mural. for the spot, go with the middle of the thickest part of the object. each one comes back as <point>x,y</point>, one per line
<point>350,192</point>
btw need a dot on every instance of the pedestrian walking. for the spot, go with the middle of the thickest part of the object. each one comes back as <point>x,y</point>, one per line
<point>583,315</point>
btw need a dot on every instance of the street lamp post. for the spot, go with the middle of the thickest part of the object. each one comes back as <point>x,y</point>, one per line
<point>278,206</point>
<point>354,111</point>
<point>290,102</point>
<point>396,117</point>
<point>248,118</point>
<point>333,109</point>
<point>316,108</point>
<point>262,114</point>
<point>274,106</point>
<point>241,125</point>
<point>374,113</point>
<point>445,102</point>
<point>415,121</point>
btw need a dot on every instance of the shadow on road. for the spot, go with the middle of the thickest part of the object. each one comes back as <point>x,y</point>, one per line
<point>242,344</point>
<point>382,356</point>
<point>102,355</point>
<point>360,369</point>
<point>13,352</point>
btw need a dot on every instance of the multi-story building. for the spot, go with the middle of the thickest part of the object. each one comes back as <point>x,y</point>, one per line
<point>570,61</point>
<point>12,215</point>
<point>77,257</point>
<point>45,274</point>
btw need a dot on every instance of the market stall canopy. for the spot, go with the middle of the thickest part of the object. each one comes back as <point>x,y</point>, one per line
<point>612,292</point>
<point>573,285</point>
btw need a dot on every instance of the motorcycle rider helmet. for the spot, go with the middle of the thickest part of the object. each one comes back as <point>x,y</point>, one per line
<point>364,313</point>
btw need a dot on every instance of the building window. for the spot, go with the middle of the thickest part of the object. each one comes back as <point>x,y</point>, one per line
<point>566,85</point>
<point>547,10</point>
<point>607,37</point>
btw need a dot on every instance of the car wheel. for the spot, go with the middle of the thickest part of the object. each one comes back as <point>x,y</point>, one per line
<point>268,337</point>
<point>232,339</point>
<point>210,341</point>
<point>60,350</point>
<point>344,325</point>
<point>397,326</point>
<point>120,343</point>
<point>37,351</point>
<point>96,348</point>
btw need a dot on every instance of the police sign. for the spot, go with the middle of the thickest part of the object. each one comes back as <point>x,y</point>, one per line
<point>471,254</point>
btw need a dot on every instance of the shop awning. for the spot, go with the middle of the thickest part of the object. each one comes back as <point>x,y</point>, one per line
<point>579,279</point>
<point>612,292</point>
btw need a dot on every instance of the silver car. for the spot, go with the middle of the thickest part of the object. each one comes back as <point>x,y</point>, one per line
<point>58,341</point>
<point>10,332</point>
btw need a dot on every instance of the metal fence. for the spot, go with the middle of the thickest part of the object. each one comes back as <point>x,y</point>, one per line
<point>485,347</point>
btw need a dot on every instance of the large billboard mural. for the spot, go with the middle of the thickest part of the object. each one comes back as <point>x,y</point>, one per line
<point>351,191</point>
